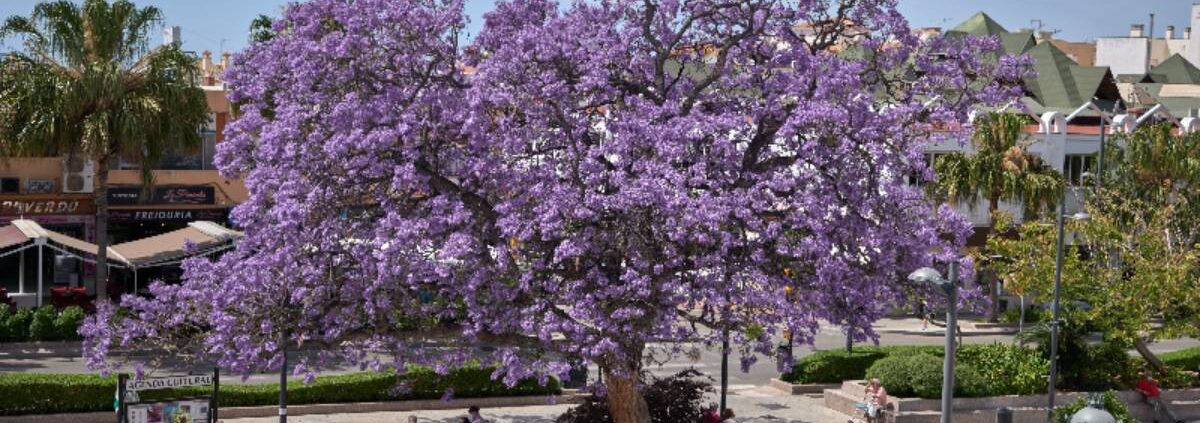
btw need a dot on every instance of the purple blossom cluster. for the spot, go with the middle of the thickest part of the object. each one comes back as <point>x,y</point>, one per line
<point>576,184</point>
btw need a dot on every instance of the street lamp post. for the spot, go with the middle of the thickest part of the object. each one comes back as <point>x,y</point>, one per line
<point>948,287</point>
<point>1054,321</point>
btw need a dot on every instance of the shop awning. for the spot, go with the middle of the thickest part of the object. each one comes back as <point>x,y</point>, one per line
<point>205,237</point>
<point>10,236</point>
<point>34,234</point>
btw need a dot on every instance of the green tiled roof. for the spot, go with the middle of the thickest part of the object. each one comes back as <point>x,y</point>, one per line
<point>1061,83</point>
<point>980,24</point>
<point>1175,70</point>
<point>1018,42</point>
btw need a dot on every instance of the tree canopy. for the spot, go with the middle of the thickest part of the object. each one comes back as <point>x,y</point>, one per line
<point>576,182</point>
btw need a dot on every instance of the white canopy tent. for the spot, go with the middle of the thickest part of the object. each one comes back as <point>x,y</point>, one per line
<point>198,238</point>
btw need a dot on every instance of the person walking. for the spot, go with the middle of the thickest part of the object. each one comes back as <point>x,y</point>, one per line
<point>1148,387</point>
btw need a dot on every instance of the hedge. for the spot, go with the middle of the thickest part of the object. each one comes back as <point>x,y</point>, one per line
<point>1185,359</point>
<point>43,324</point>
<point>67,393</point>
<point>834,366</point>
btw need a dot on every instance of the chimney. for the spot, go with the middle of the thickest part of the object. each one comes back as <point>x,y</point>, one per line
<point>1170,35</point>
<point>225,60</point>
<point>206,66</point>
<point>171,36</point>
<point>1187,33</point>
<point>1137,30</point>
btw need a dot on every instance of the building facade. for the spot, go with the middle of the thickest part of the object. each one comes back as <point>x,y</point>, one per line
<point>58,193</point>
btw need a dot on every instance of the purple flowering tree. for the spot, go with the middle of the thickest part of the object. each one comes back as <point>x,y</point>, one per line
<point>578,183</point>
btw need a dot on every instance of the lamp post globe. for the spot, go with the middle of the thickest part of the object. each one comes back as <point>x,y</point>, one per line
<point>1093,415</point>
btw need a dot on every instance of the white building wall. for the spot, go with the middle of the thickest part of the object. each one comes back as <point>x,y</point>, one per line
<point>1193,47</point>
<point>1052,148</point>
<point>1123,55</point>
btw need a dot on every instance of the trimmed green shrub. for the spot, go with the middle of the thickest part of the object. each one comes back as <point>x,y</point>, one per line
<point>1112,404</point>
<point>1107,366</point>
<point>66,325</point>
<point>1007,369</point>
<point>4,331</point>
<point>41,327</point>
<point>920,375</point>
<point>43,324</point>
<point>64,393</point>
<point>16,325</point>
<point>835,366</point>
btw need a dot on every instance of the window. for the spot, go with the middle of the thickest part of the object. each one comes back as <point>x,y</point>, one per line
<point>10,185</point>
<point>1074,166</point>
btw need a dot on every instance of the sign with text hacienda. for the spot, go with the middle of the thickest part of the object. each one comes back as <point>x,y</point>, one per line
<point>131,409</point>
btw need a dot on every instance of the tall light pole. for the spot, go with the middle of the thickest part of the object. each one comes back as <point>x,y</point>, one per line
<point>1054,322</point>
<point>949,287</point>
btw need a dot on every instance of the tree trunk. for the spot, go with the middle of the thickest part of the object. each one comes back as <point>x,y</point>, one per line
<point>625,403</point>
<point>102,228</point>
<point>993,312</point>
<point>1144,350</point>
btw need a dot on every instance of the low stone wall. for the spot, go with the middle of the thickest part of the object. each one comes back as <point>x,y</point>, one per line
<point>1026,408</point>
<point>801,388</point>
<point>568,397</point>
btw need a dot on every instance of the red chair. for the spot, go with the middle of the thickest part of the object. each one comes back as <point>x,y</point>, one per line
<point>60,297</point>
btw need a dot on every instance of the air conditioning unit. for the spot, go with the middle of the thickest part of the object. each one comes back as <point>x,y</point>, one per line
<point>78,173</point>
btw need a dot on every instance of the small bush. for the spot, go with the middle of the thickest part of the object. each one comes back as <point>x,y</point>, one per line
<point>673,399</point>
<point>1112,405</point>
<point>835,366</point>
<point>1007,369</point>
<point>4,332</point>
<point>41,326</point>
<point>1107,366</point>
<point>66,325</point>
<point>920,375</point>
<point>17,325</point>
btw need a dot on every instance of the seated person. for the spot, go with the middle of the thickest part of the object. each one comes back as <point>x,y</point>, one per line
<point>1148,387</point>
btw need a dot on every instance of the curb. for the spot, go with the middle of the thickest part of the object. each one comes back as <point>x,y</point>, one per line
<point>48,349</point>
<point>568,397</point>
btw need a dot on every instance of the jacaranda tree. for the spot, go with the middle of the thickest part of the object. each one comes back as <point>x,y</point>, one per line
<point>576,184</point>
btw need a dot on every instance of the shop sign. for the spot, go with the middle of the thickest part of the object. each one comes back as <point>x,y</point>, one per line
<point>31,207</point>
<point>170,382</point>
<point>39,186</point>
<point>184,194</point>
<point>123,195</point>
<point>165,215</point>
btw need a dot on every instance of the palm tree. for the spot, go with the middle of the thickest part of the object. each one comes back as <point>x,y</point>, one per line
<point>1000,168</point>
<point>89,83</point>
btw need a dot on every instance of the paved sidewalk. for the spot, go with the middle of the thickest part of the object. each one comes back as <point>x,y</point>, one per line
<point>753,404</point>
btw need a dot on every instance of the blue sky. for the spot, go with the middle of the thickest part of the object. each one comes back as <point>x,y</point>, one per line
<point>206,23</point>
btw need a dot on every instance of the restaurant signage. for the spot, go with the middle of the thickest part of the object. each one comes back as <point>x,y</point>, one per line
<point>184,194</point>
<point>121,195</point>
<point>165,215</point>
<point>36,207</point>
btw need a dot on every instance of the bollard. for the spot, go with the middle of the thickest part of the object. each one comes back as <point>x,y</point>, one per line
<point>1004,415</point>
